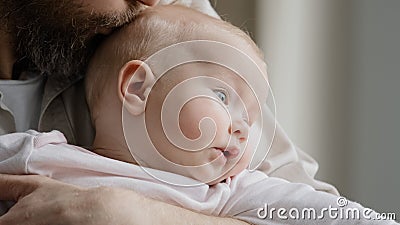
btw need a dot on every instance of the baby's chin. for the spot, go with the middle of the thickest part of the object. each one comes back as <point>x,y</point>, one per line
<point>215,178</point>
<point>214,174</point>
<point>217,181</point>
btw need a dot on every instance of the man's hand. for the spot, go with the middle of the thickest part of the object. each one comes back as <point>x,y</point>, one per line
<point>40,200</point>
<point>44,201</point>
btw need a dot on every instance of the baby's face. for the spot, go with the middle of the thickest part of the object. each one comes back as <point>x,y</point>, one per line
<point>198,116</point>
<point>218,111</point>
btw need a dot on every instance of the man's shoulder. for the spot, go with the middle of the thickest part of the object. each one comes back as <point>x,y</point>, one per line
<point>67,111</point>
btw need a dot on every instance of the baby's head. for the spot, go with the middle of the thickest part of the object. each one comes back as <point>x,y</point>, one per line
<point>120,76</point>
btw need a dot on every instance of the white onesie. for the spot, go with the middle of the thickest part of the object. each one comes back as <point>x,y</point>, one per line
<point>250,196</point>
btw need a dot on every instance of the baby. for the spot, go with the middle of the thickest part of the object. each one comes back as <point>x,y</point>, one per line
<point>186,132</point>
<point>122,76</point>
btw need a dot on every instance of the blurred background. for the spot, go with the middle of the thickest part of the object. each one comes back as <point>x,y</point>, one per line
<point>334,67</point>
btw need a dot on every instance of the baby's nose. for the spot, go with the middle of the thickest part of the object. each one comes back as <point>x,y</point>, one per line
<point>240,129</point>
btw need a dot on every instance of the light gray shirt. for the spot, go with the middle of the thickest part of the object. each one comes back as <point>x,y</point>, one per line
<point>20,103</point>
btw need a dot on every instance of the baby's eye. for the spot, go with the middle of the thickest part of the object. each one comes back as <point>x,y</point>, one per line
<point>222,96</point>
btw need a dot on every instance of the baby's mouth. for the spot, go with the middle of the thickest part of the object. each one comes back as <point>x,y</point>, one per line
<point>230,152</point>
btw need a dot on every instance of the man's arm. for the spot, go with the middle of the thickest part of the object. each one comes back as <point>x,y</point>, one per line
<point>283,159</point>
<point>41,200</point>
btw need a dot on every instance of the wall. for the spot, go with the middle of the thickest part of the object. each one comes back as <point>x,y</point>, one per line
<point>374,176</point>
<point>334,69</point>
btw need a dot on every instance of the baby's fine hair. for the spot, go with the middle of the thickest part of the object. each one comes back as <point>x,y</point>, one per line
<point>152,30</point>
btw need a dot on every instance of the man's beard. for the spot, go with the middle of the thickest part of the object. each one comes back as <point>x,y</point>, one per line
<point>57,37</point>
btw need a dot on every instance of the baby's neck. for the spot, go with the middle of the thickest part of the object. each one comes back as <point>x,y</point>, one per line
<point>117,154</point>
<point>112,145</point>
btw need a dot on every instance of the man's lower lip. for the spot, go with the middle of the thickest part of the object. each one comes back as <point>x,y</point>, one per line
<point>104,30</point>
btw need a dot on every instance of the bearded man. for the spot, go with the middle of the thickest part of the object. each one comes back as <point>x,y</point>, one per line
<point>44,48</point>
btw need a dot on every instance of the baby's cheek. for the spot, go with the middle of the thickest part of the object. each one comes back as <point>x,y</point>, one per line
<point>202,108</point>
<point>189,120</point>
<point>241,164</point>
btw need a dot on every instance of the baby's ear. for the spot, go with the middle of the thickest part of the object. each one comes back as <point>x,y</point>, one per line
<point>134,82</point>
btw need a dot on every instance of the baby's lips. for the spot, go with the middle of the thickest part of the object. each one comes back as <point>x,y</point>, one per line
<point>231,152</point>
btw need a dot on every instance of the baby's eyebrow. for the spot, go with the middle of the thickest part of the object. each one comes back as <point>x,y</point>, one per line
<point>228,79</point>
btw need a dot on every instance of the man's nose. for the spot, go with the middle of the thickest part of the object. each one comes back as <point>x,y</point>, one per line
<point>150,2</point>
<point>240,129</point>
